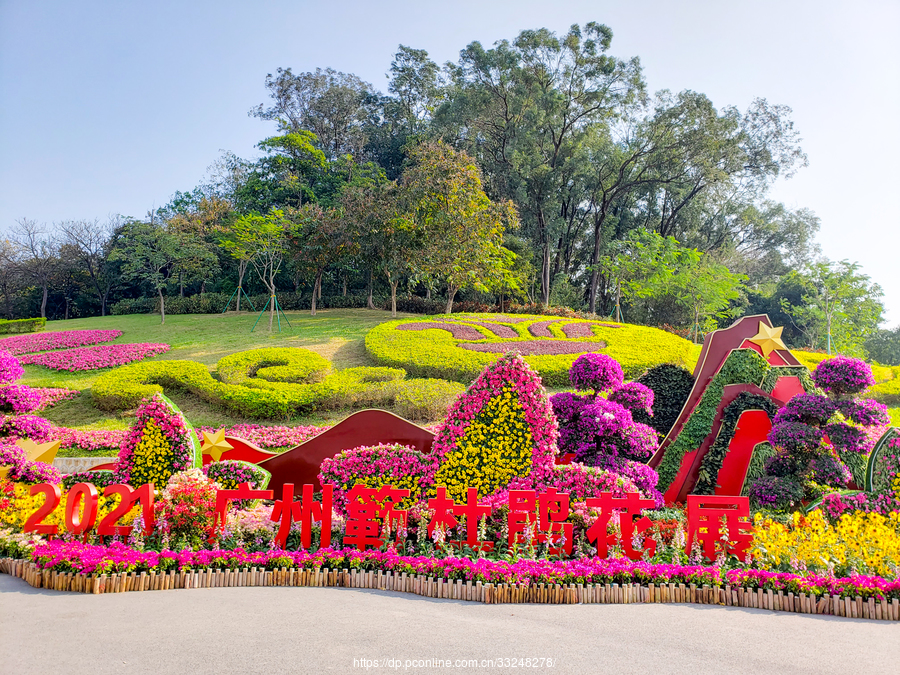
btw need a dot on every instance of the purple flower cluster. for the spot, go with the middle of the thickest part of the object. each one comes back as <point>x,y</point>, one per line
<point>41,342</point>
<point>10,455</point>
<point>633,396</point>
<point>864,411</point>
<point>795,436</point>
<point>835,505</point>
<point>829,470</point>
<point>846,438</point>
<point>843,376</point>
<point>74,556</point>
<point>807,409</point>
<point>776,492</point>
<point>596,372</point>
<point>99,356</point>
<point>10,368</point>
<point>23,471</point>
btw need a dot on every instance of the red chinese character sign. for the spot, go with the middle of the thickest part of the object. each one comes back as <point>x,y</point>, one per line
<point>541,518</point>
<point>307,510</point>
<point>444,518</point>
<point>631,524</point>
<point>372,515</point>
<point>719,525</point>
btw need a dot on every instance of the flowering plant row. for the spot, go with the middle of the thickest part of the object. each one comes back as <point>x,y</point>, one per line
<point>83,558</point>
<point>20,399</point>
<point>98,356</point>
<point>41,342</point>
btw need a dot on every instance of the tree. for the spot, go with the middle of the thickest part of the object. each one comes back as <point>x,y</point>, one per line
<point>332,105</point>
<point>89,241</point>
<point>318,237</point>
<point>37,255</point>
<point>461,228</point>
<point>266,236</point>
<point>884,346</point>
<point>388,239</point>
<point>844,306</point>
<point>522,109</point>
<point>148,253</point>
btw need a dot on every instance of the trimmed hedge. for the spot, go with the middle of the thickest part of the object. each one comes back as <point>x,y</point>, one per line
<point>22,325</point>
<point>254,397</point>
<point>671,387</point>
<point>434,352</point>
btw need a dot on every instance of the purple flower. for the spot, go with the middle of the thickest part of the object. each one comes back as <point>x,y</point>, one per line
<point>34,472</point>
<point>26,426</point>
<point>867,412</point>
<point>634,396</point>
<point>19,399</point>
<point>806,408</point>
<point>596,372</point>
<point>843,376</point>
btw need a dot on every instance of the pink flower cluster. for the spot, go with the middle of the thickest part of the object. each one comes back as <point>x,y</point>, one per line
<point>91,440</point>
<point>10,368</point>
<point>98,356</point>
<point>63,556</point>
<point>41,342</point>
<point>509,371</point>
<point>21,399</point>
<point>268,437</point>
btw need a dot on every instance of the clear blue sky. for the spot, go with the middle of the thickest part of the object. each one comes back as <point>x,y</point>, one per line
<point>110,107</point>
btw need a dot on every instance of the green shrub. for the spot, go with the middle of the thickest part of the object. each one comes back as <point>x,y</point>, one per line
<point>123,388</point>
<point>434,352</point>
<point>671,387</point>
<point>22,325</point>
<point>134,306</point>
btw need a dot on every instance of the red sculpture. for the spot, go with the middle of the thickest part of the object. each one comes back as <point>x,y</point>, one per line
<point>304,512</point>
<point>371,509</point>
<point>446,510</point>
<point>629,508</point>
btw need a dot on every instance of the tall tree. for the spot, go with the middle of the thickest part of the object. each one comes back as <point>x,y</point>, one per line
<point>89,241</point>
<point>37,255</point>
<point>522,109</point>
<point>267,237</point>
<point>462,229</point>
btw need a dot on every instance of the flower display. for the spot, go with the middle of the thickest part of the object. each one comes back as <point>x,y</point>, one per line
<point>30,473</point>
<point>10,368</point>
<point>633,396</point>
<point>843,376</point>
<point>158,445</point>
<point>867,543</point>
<point>502,427</point>
<point>230,474</point>
<point>187,507</point>
<point>401,466</point>
<point>74,556</point>
<point>98,356</point>
<point>268,437</point>
<point>40,342</point>
<point>37,429</point>
<point>19,399</point>
<point>596,372</point>
<point>96,441</point>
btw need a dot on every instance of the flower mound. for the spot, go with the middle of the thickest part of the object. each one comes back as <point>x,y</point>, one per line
<point>501,428</point>
<point>41,342</point>
<point>373,466</point>
<point>26,426</point>
<point>93,358</point>
<point>843,376</point>
<point>19,399</point>
<point>159,444</point>
<point>230,474</point>
<point>596,372</point>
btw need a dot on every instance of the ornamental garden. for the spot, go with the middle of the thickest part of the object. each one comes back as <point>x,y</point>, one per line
<point>524,458</point>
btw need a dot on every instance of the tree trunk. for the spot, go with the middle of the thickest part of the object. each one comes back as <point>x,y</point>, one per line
<point>428,292</point>
<point>162,307</point>
<point>394,285</point>
<point>44,303</point>
<point>271,310</point>
<point>242,269</point>
<point>103,300</point>
<point>345,287</point>
<point>595,259</point>
<point>451,293</point>
<point>371,303</point>
<point>317,292</point>
<point>202,287</point>
<point>180,285</point>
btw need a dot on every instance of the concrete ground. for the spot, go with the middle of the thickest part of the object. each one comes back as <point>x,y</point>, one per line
<point>319,630</point>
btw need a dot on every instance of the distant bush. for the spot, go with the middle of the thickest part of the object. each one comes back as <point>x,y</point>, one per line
<point>22,325</point>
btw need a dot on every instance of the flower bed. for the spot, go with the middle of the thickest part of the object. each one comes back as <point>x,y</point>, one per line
<point>98,356</point>
<point>268,437</point>
<point>458,347</point>
<point>79,558</point>
<point>41,342</point>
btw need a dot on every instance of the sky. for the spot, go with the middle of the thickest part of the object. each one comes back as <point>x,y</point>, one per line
<point>110,107</point>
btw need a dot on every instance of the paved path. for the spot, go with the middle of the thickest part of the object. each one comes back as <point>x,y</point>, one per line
<point>319,630</point>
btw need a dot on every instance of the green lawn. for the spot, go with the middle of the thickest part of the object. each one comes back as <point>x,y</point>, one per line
<point>335,334</point>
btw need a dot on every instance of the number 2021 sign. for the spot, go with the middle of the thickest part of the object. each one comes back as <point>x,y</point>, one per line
<point>82,503</point>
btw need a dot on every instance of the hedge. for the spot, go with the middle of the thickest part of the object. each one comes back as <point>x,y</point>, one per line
<point>22,325</point>
<point>253,397</point>
<point>435,352</point>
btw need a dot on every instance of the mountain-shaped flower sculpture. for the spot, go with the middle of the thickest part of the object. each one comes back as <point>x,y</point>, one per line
<point>160,443</point>
<point>502,428</point>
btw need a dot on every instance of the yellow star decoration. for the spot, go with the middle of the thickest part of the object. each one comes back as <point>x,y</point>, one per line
<point>215,445</point>
<point>45,452</point>
<point>768,338</point>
